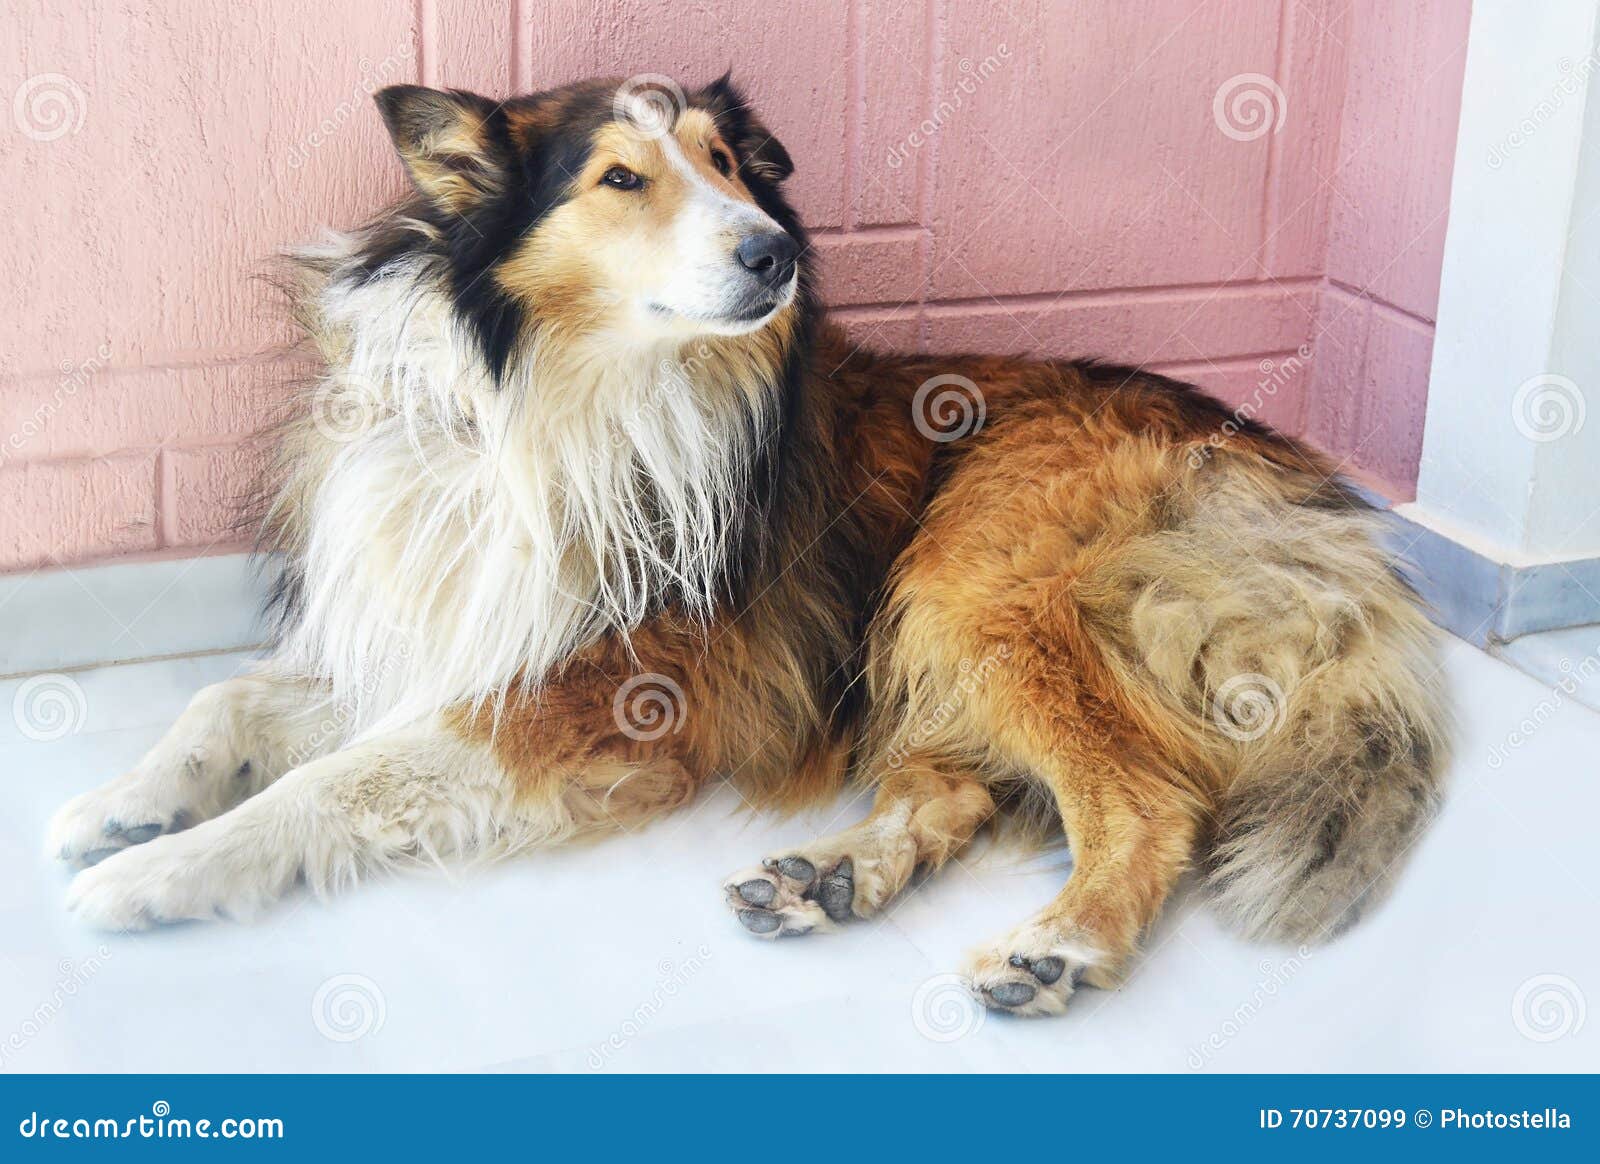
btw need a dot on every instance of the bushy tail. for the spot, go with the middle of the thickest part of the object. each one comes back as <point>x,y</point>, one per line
<point>1272,648</point>
<point>1321,815</point>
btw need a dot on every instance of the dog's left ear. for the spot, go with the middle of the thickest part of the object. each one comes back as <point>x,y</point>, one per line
<point>759,152</point>
<point>448,142</point>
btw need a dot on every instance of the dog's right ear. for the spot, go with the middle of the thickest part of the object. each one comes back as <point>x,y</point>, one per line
<point>760,153</point>
<point>448,142</point>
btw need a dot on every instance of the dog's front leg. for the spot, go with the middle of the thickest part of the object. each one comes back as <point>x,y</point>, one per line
<point>235,738</point>
<point>425,791</point>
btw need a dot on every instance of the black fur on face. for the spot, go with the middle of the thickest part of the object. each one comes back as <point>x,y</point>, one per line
<point>762,161</point>
<point>483,186</point>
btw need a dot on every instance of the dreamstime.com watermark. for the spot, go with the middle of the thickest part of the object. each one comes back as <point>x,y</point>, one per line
<point>1548,407</point>
<point>73,976</point>
<point>972,75</point>
<point>160,1124</point>
<point>1248,706</point>
<point>345,406</point>
<point>648,105</point>
<point>1274,977</point>
<point>1573,83</point>
<point>948,407</point>
<point>673,976</point>
<point>649,706</point>
<point>395,66</point>
<point>1573,676</point>
<point>334,727</point>
<point>972,675</point>
<point>1275,375</point>
<point>1548,1007</point>
<point>348,1007</point>
<point>1249,105</point>
<point>48,107</point>
<point>944,1010</point>
<point>49,707</point>
<point>673,385</point>
<point>73,378</point>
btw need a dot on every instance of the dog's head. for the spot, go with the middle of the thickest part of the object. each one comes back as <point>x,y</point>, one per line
<point>634,212</point>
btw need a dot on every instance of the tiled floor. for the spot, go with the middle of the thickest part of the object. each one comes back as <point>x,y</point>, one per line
<point>619,956</point>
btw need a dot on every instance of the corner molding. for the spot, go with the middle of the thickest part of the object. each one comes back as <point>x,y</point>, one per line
<point>1480,598</point>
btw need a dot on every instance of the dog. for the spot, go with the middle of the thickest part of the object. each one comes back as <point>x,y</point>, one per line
<point>592,507</point>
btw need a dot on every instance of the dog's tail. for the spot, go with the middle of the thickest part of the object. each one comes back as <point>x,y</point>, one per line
<point>1323,810</point>
<point>1262,637</point>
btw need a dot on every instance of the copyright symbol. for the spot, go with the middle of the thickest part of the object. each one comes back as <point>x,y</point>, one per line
<point>1423,1118</point>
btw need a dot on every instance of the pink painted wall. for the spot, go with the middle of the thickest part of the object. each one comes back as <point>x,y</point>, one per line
<point>1046,176</point>
<point>1390,179</point>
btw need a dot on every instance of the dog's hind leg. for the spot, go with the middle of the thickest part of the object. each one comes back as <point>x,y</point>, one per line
<point>927,809</point>
<point>1131,838</point>
<point>235,738</point>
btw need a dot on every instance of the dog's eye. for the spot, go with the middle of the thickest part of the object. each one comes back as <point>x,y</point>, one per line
<point>622,178</point>
<point>721,162</point>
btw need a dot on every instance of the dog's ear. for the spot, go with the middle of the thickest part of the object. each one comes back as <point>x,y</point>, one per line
<point>760,153</point>
<point>448,141</point>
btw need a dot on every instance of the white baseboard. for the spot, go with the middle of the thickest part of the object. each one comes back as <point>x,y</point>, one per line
<point>1486,600</point>
<point>56,620</point>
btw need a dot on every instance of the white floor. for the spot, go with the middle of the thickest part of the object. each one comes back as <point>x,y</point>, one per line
<point>620,957</point>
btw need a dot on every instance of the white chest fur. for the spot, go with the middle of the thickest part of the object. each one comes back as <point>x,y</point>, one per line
<point>463,535</point>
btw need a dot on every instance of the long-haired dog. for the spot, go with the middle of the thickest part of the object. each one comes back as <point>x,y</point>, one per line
<point>592,507</point>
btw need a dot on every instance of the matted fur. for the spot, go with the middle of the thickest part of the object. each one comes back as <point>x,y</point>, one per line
<point>558,460</point>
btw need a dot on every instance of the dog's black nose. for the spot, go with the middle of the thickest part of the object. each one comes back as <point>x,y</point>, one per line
<point>769,255</point>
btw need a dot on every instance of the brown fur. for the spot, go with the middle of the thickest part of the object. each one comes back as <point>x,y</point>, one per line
<point>1097,577</point>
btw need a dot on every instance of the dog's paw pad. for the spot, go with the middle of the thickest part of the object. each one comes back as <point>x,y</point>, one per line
<point>1011,994</point>
<point>761,922</point>
<point>794,868</point>
<point>837,891</point>
<point>758,891</point>
<point>787,896</point>
<point>114,837</point>
<point>1028,983</point>
<point>91,827</point>
<point>1047,970</point>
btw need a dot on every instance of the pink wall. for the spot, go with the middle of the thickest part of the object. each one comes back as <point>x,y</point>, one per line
<point>1387,215</point>
<point>1046,176</point>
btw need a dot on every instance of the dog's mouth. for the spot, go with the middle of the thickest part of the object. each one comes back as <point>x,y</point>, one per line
<point>747,315</point>
<point>760,309</point>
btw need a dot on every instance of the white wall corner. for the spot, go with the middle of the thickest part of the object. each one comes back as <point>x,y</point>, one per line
<point>1506,524</point>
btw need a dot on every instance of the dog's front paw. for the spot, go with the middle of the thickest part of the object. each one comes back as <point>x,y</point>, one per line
<point>171,879</point>
<point>99,823</point>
